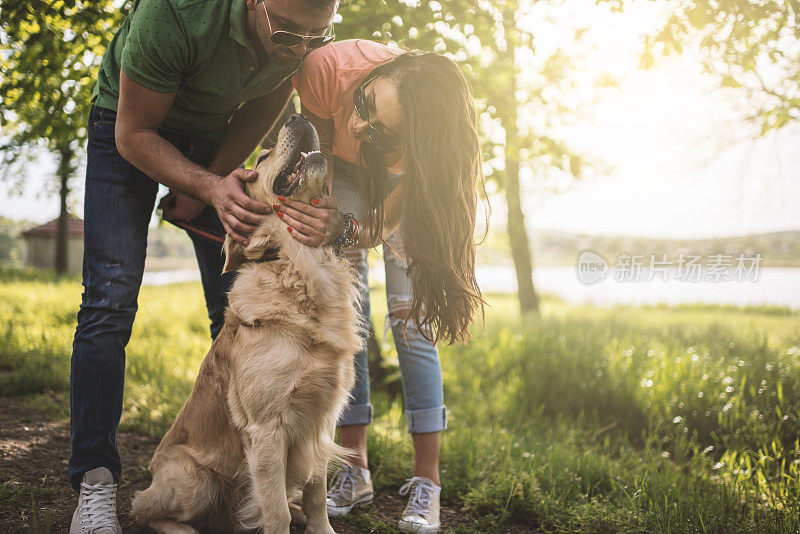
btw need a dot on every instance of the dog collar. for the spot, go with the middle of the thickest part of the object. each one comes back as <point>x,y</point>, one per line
<point>271,254</point>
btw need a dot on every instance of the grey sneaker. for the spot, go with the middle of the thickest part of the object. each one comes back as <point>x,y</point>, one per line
<point>422,511</point>
<point>349,487</point>
<point>97,505</point>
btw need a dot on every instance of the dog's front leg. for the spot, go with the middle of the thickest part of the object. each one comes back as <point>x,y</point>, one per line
<point>266,459</point>
<point>315,505</point>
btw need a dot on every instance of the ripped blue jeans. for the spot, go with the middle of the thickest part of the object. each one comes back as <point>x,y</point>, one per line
<point>421,372</point>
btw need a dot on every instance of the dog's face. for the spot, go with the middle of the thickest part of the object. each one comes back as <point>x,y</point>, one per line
<point>294,168</point>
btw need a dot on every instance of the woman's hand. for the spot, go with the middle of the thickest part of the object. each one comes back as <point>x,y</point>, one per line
<point>312,224</point>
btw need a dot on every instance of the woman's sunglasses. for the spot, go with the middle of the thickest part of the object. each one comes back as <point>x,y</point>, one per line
<point>360,104</point>
<point>284,38</point>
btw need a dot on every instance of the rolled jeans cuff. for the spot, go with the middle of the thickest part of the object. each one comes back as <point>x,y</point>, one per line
<point>429,420</point>
<point>359,414</point>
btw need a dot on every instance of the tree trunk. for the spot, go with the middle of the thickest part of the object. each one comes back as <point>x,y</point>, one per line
<point>518,236</point>
<point>63,172</point>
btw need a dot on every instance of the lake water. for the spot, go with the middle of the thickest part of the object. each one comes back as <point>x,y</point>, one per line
<point>773,286</point>
<point>779,287</point>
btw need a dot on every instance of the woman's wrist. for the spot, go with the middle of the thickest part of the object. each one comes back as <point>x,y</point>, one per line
<point>336,229</point>
<point>349,234</point>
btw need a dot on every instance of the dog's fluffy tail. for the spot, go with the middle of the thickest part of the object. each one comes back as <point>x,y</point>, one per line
<point>180,491</point>
<point>310,459</point>
<point>151,504</point>
<point>338,456</point>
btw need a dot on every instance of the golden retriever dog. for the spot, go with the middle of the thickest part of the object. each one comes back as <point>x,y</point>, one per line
<point>259,424</point>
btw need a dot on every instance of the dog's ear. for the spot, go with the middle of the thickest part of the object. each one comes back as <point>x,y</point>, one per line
<point>260,241</point>
<point>234,254</point>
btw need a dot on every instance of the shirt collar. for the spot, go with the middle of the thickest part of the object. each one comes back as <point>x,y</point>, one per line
<point>238,31</point>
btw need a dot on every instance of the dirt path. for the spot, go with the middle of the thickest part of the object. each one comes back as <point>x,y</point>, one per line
<point>34,490</point>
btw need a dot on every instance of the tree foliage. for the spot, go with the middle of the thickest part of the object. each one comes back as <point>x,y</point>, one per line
<point>750,45</point>
<point>49,56</point>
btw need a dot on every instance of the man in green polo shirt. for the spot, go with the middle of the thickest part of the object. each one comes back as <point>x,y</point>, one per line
<point>185,92</point>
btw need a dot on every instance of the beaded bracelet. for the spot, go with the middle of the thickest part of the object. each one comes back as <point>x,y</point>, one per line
<point>349,234</point>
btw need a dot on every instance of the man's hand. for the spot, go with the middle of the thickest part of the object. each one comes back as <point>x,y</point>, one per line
<point>179,207</point>
<point>240,214</point>
<point>312,224</point>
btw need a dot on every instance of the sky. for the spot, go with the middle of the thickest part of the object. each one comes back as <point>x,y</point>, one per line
<point>658,137</point>
<point>663,134</point>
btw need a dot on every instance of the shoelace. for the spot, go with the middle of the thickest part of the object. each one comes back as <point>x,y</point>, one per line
<point>421,493</point>
<point>99,509</point>
<point>343,485</point>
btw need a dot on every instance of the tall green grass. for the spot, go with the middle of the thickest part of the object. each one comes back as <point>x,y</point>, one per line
<point>585,419</point>
<point>638,418</point>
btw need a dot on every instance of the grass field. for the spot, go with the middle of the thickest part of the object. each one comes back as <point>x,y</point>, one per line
<point>657,419</point>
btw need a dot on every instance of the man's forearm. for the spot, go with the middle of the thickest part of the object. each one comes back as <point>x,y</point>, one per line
<point>139,114</point>
<point>161,161</point>
<point>248,127</point>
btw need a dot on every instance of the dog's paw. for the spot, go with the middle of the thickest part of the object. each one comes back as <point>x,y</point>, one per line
<point>296,511</point>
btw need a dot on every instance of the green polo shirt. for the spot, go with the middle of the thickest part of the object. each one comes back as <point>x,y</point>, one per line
<point>198,48</point>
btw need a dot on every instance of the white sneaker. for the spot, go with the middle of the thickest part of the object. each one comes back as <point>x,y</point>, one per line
<point>97,505</point>
<point>349,487</point>
<point>422,511</point>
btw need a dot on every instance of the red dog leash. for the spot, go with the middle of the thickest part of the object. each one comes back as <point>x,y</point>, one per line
<point>211,236</point>
<point>269,255</point>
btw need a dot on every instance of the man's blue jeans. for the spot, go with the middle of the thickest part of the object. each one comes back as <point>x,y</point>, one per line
<point>119,202</point>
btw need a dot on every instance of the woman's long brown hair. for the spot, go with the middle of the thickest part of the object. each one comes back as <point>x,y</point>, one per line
<point>442,171</point>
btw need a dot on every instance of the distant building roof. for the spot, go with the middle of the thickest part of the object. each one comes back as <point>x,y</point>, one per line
<point>74,228</point>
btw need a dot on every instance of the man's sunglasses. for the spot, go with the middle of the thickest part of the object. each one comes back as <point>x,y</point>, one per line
<point>360,104</point>
<point>284,38</point>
